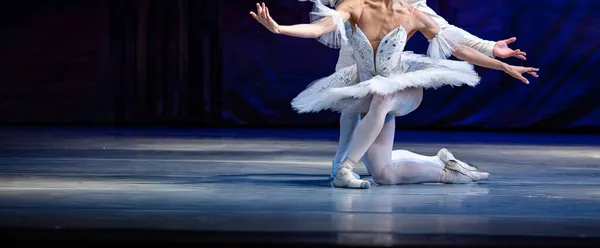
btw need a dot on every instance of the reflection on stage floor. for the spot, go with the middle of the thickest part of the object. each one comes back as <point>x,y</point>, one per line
<point>275,181</point>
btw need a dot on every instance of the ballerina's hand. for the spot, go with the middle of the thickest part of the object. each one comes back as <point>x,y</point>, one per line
<point>502,50</point>
<point>262,15</point>
<point>517,72</point>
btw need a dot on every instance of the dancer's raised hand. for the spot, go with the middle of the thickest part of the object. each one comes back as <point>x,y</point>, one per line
<point>518,71</point>
<point>262,15</point>
<point>502,50</point>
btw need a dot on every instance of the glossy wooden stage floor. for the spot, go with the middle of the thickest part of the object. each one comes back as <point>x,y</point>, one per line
<point>274,183</point>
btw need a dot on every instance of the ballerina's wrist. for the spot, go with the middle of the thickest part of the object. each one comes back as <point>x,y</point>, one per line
<point>504,66</point>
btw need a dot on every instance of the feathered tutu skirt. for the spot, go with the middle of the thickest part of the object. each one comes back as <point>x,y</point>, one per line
<point>343,91</point>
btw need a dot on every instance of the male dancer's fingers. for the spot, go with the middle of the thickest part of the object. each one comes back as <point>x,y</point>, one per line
<point>524,79</point>
<point>510,40</point>
<point>516,73</point>
<point>533,72</point>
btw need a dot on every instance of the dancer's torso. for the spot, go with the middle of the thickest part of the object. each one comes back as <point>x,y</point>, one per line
<point>378,38</point>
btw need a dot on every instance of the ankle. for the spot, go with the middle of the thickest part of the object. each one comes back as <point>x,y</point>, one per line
<point>347,164</point>
<point>349,161</point>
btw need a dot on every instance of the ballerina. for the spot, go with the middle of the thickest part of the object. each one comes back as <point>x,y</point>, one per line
<point>384,79</point>
<point>349,120</point>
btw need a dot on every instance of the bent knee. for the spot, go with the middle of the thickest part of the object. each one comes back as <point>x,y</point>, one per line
<point>381,104</point>
<point>381,100</point>
<point>382,181</point>
<point>384,177</point>
<point>392,175</point>
<point>407,101</point>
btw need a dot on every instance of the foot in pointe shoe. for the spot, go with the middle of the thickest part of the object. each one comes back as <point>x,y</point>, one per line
<point>456,174</point>
<point>344,179</point>
<point>447,157</point>
<point>335,169</point>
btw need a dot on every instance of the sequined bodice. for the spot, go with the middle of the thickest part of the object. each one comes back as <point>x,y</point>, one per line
<point>381,62</point>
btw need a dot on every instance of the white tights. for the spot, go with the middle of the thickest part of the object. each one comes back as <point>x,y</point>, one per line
<point>372,139</point>
<point>399,167</point>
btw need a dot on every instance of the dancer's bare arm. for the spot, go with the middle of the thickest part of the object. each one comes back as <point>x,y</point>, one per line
<point>349,9</point>
<point>490,48</point>
<point>429,29</point>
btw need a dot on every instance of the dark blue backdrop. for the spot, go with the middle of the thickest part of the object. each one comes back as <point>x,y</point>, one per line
<point>262,72</point>
<point>207,63</point>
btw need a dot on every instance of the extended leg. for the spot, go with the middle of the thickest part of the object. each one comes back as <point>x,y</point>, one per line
<point>406,167</point>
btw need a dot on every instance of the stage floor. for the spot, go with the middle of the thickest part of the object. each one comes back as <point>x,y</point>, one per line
<point>275,181</point>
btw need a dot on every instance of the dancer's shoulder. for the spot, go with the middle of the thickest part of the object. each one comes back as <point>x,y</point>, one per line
<point>352,7</point>
<point>351,3</point>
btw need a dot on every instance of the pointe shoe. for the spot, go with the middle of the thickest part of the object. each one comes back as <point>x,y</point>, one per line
<point>454,173</point>
<point>334,171</point>
<point>447,157</point>
<point>344,179</point>
<point>357,176</point>
<point>454,177</point>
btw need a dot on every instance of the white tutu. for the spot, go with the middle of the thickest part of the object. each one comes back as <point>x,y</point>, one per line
<point>342,90</point>
<point>346,90</point>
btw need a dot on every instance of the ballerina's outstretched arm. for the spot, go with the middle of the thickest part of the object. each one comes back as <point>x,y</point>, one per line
<point>445,43</point>
<point>327,25</point>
